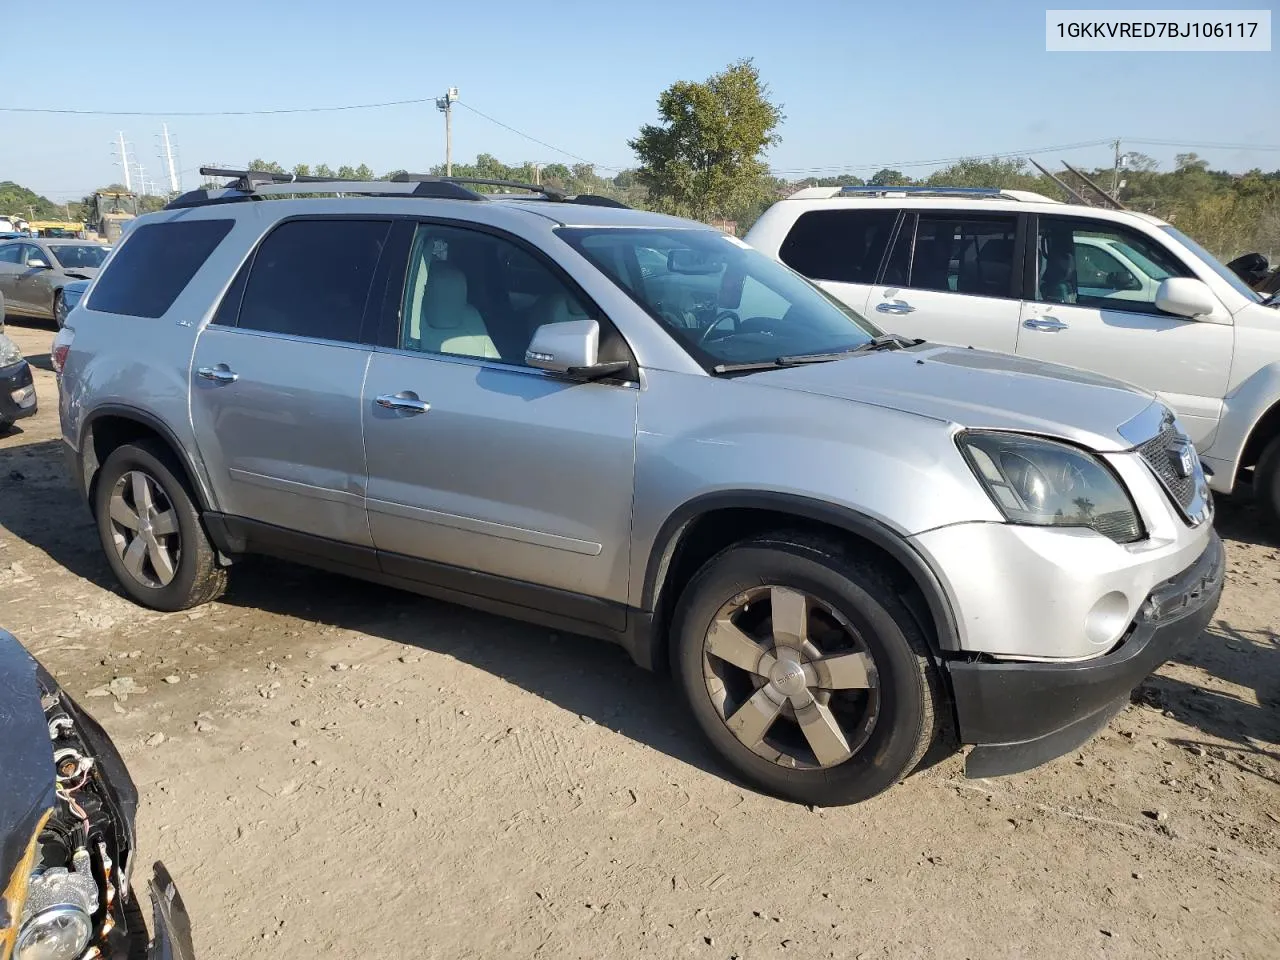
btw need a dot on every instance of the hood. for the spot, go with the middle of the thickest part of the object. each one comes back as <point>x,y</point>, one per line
<point>978,389</point>
<point>26,758</point>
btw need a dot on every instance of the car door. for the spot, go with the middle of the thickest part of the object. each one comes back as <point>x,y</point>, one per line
<point>35,284</point>
<point>276,384</point>
<point>9,269</point>
<point>486,476</point>
<point>1093,306</point>
<point>24,285</point>
<point>950,279</point>
<point>841,249</point>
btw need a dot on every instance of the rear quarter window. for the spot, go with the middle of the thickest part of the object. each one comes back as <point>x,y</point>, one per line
<point>841,245</point>
<point>155,265</point>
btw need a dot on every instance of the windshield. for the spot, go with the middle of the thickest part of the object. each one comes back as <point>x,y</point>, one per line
<point>1212,262</point>
<point>725,302</point>
<point>81,255</point>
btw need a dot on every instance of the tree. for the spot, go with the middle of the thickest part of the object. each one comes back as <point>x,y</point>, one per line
<point>263,165</point>
<point>1189,161</point>
<point>346,172</point>
<point>1142,163</point>
<point>889,178</point>
<point>705,157</point>
<point>324,170</point>
<point>363,172</point>
<point>302,169</point>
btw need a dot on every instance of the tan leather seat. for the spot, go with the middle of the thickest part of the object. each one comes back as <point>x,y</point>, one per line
<point>440,318</point>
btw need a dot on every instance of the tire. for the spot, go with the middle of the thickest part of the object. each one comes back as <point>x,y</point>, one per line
<point>5,425</point>
<point>844,595</point>
<point>176,567</point>
<point>1266,484</point>
<point>59,309</point>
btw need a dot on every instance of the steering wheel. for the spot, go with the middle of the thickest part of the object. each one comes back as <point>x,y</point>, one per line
<point>721,317</point>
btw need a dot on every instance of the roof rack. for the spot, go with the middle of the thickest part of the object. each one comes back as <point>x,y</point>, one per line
<point>977,193</point>
<point>256,184</point>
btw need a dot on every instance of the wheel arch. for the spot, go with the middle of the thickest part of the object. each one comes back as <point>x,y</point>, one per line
<point>703,526</point>
<point>111,425</point>
<point>1264,429</point>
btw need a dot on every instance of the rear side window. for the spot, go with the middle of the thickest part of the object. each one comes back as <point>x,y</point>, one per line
<point>155,265</point>
<point>962,255</point>
<point>311,278</point>
<point>840,245</point>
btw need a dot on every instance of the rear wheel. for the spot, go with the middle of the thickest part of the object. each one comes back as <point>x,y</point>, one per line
<point>805,670</point>
<point>151,530</point>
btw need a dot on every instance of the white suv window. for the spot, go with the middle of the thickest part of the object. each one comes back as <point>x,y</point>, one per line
<point>962,254</point>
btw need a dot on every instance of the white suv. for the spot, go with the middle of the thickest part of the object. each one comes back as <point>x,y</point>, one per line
<point>1114,291</point>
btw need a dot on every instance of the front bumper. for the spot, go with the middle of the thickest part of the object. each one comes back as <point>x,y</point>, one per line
<point>17,391</point>
<point>1019,715</point>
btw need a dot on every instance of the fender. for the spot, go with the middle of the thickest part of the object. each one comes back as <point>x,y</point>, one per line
<point>1247,407</point>
<point>88,458</point>
<point>874,531</point>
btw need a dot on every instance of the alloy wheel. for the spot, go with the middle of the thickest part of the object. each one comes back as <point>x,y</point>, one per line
<point>791,678</point>
<point>144,529</point>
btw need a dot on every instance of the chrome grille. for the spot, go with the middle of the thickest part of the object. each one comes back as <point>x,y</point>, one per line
<point>1161,455</point>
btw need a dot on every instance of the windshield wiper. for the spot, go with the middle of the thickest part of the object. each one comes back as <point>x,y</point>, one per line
<point>891,341</point>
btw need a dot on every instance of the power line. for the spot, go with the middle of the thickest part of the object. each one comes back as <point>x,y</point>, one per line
<point>1203,146</point>
<point>541,143</point>
<point>926,163</point>
<point>214,113</point>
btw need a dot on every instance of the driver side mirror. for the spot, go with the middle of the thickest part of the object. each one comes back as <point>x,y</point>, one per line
<point>37,264</point>
<point>572,348</point>
<point>1185,297</point>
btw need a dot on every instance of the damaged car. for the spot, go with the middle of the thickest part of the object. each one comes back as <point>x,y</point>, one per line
<point>67,837</point>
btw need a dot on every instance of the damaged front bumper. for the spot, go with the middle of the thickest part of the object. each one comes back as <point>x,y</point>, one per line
<point>1020,714</point>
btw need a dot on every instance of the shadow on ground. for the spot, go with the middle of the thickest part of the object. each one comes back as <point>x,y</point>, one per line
<point>586,677</point>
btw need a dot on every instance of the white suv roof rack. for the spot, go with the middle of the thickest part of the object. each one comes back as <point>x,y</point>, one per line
<point>974,193</point>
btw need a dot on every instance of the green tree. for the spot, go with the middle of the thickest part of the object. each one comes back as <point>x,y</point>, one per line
<point>1189,161</point>
<point>15,199</point>
<point>705,158</point>
<point>363,172</point>
<point>346,172</point>
<point>263,165</point>
<point>302,169</point>
<point>324,170</point>
<point>889,178</point>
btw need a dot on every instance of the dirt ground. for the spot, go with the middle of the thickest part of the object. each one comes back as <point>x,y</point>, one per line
<point>334,769</point>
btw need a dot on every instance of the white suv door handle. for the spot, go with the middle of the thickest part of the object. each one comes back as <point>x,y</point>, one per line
<point>1048,324</point>
<point>219,374</point>
<point>894,306</point>
<point>406,401</point>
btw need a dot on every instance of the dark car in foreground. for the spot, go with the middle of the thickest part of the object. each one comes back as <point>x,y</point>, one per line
<point>17,388</point>
<point>67,836</point>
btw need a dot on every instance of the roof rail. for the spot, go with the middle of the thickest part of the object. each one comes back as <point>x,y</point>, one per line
<point>255,184</point>
<point>976,193</point>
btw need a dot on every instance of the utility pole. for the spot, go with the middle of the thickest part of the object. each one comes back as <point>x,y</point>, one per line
<point>168,156</point>
<point>1115,173</point>
<point>123,162</point>
<point>445,105</point>
<point>537,174</point>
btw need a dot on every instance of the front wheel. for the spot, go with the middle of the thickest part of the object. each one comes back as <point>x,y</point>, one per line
<point>59,309</point>
<point>1266,484</point>
<point>151,530</point>
<point>805,670</point>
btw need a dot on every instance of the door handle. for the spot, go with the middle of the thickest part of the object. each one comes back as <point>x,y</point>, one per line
<point>894,306</point>
<point>219,374</point>
<point>1048,324</point>
<point>406,401</point>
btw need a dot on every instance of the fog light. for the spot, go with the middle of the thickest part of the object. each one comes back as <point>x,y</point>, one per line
<point>1108,619</point>
<point>24,396</point>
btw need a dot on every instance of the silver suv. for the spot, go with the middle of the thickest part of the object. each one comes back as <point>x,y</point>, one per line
<point>845,544</point>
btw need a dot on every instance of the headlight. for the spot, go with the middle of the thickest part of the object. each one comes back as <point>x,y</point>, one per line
<point>1049,484</point>
<point>59,933</point>
<point>9,352</point>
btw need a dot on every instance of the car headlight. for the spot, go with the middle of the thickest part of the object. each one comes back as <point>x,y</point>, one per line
<point>59,933</point>
<point>1049,484</point>
<point>9,352</point>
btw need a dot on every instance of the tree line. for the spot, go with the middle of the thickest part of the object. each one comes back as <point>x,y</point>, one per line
<point>704,159</point>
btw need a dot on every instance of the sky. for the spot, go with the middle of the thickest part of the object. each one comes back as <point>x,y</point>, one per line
<point>862,86</point>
